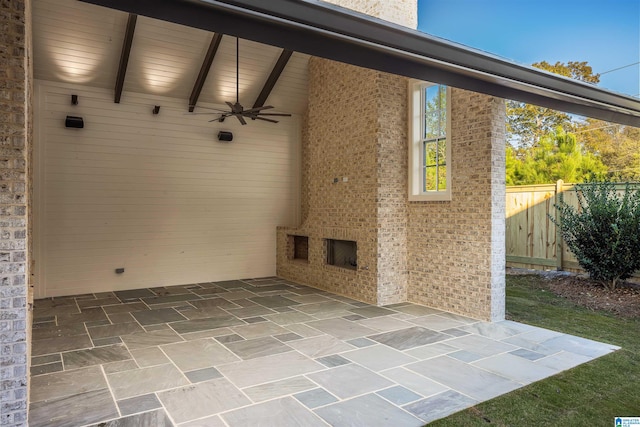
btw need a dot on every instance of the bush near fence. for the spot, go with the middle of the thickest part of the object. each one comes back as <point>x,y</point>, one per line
<point>532,240</point>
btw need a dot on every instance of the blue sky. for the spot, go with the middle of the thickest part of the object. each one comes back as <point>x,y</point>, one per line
<point>605,33</point>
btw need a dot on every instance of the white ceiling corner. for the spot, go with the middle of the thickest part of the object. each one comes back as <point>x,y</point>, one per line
<point>76,42</point>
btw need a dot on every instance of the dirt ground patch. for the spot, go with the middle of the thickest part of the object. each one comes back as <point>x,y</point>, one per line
<point>578,288</point>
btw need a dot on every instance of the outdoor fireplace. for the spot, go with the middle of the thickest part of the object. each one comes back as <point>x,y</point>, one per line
<point>342,253</point>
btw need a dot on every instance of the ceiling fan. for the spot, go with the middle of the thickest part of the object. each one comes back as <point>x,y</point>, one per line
<point>237,110</point>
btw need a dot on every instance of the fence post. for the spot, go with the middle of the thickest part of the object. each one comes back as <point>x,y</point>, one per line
<point>559,245</point>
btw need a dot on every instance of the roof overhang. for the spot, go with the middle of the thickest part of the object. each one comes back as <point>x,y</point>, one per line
<point>324,30</point>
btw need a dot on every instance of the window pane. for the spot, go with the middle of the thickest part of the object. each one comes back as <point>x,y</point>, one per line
<point>442,123</point>
<point>430,178</point>
<point>442,152</point>
<point>435,112</point>
<point>432,95</point>
<point>432,123</point>
<point>430,153</point>
<point>442,178</point>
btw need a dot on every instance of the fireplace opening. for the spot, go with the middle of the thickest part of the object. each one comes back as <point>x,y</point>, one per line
<point>299,248</point>
<point>342,253</point>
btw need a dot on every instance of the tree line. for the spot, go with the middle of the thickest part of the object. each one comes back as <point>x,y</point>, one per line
<point>545,145</point>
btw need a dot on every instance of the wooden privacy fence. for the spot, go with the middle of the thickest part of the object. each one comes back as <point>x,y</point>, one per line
<point>532,239</point>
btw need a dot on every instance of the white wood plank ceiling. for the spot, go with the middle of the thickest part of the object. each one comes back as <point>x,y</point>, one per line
<point>75,42</point>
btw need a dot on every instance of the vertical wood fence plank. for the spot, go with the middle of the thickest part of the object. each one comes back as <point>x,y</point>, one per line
<point>559,244</point>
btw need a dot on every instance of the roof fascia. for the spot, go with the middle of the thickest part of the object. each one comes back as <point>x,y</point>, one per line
<point>321,29</point>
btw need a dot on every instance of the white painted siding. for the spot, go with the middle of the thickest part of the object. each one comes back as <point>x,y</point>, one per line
<point>157,195</point>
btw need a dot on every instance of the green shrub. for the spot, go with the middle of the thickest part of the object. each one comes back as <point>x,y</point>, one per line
<point>604,233</point>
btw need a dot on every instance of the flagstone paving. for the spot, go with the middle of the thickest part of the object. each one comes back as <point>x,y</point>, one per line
<point>269,352</point>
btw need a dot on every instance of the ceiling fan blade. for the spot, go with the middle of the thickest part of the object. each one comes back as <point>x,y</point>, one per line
<point>257,109</point>
<point>205,108</point>
<point>262,118</point>
<point>274,114</point>
<point>242,121</point>
<point>221,118</point>
<point>201,114</point>
<point>229,104</point>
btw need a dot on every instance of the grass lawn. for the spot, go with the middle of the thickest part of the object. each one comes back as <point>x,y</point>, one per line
<point>588,395</point>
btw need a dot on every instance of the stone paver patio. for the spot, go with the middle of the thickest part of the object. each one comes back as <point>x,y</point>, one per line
<point>267,352</point>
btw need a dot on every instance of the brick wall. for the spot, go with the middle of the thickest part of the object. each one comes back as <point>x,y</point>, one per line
<point>402,12</point>
<point>391,197</point>
<point>456,248</point>
<point>355,129</point>
<point>448,255</point>
<point>339,142</point>
<point>15,101</point>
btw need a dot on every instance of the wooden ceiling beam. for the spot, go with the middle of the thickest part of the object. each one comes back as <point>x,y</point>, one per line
<point>124,56</point>
<point>204,70</point>
<point>273,78</point>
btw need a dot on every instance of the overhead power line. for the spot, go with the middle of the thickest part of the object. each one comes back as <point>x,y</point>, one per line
<point>598,128</point>
<point>619,68</point>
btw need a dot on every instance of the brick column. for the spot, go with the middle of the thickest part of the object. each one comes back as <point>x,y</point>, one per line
<point>354,173</point>
<point>457,248</point>
<point>15,143</point>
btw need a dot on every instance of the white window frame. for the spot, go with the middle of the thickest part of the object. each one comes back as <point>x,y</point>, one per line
<point>416,144</point>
